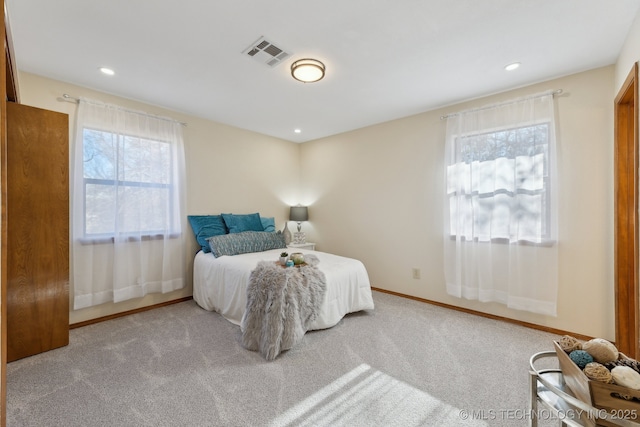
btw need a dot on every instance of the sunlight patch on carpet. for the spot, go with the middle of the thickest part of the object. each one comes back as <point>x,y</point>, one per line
<point>366,396</point>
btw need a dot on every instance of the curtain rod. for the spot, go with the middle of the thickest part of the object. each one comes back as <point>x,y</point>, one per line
<point>69,98</point>
<point>552,93</point>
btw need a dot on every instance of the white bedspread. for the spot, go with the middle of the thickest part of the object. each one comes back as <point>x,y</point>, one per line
<point>220,284</point>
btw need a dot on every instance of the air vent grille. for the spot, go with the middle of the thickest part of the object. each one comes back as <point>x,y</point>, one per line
<point>273,50</point>
<point>264,51</point>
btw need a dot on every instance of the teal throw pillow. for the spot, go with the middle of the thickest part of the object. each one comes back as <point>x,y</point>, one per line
<point>246,222</point>
<point>268,224</point>
<point>205,226</point>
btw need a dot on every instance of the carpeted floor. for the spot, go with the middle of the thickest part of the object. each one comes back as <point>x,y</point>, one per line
<point>405,363</point>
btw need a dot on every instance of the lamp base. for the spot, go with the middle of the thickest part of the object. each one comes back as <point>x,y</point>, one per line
<point>299,237</point>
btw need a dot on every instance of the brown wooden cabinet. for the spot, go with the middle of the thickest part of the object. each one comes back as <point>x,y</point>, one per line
<point>37,230</point>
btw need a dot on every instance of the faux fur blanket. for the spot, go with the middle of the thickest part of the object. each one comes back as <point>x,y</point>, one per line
<point>281,304</point>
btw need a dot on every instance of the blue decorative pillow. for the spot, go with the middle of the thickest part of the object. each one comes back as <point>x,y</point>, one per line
<point>205,226</point>
<point>268,224</point>
<point>239,223</point>
<point>245,242</point>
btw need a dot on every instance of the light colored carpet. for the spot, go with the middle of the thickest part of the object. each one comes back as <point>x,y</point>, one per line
<point>405,363</point>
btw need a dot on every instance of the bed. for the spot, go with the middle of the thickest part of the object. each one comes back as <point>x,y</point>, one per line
<point>220,284</point>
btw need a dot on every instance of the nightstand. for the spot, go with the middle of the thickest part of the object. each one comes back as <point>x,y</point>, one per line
<point>310,246</point>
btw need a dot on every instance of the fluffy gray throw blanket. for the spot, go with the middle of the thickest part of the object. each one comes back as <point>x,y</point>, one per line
<point>281,304</point>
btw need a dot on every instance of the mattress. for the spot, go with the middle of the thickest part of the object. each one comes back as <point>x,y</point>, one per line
<point>220,284</point>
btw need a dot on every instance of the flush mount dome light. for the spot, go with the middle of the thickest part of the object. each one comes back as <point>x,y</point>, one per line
<point>307,70</point>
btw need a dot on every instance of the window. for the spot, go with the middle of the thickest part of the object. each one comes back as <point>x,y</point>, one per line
<point>499,189</point>
<point>127,184</point>
<point>500,204</point>
<point>128,203</point>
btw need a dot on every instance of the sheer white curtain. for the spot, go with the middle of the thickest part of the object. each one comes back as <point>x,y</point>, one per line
<point>128,205</point>
<point>500,235</point>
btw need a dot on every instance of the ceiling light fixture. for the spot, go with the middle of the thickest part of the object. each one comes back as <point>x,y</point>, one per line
<point>512,66</point>
<point>297,130</point>
<point>107,71</point>
<point>307,70</point>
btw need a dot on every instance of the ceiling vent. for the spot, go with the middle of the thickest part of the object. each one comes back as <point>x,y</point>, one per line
<point>262,50</point>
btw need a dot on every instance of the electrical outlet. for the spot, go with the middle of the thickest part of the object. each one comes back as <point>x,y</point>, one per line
<point>416,273</point>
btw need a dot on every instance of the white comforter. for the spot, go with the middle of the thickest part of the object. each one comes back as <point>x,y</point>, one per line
<point>220,284</point>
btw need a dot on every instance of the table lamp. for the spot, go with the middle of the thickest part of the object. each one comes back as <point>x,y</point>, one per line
<point>299,214</point>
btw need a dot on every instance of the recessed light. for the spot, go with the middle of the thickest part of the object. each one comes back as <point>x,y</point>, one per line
<point>512,66</point>
<point>297,130</point>
<point>107,71</point>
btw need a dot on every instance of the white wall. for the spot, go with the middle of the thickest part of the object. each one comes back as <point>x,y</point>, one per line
<point>629,54</point>
<point>228,170</point>
<point>376,194</point>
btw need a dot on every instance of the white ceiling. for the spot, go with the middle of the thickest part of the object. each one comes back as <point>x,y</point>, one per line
<point>385,59</point>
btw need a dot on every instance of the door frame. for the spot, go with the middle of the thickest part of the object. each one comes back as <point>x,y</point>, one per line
<point>626,216</point>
